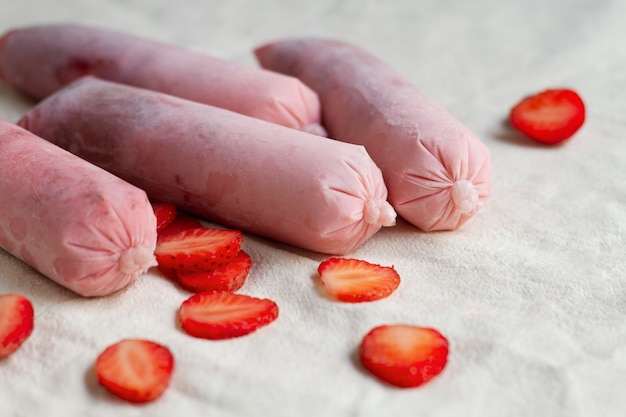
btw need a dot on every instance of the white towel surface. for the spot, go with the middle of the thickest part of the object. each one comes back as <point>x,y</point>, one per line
<point>531,293</point>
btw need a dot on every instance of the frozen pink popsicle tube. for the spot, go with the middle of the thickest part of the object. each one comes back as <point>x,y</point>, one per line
<point>437,172</point>
<point>260,177</point>
<point>39,60</point>
<point>70,220</point>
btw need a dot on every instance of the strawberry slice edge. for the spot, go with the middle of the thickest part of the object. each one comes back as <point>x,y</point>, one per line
<point>165,214</point>
<point>135,370</point>
<point>225,315</point>
<point>550,116</point>
<point>180,223</point>
<point>198,249</point>
<point>228,277</point>
<point>355,280</point>
<point>16,322</point>
<point>404,355</point>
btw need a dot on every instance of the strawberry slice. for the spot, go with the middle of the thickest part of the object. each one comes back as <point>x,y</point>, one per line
<point>197,250</point>
<point>229,277</point>
<point>224,315</point>
<point>549,117</point>
<point>16,322</point>
<point>355,280</point>
<point>179,223</point>
<point>165,214</point>
<point>404,355</point>
<point>135,370</point>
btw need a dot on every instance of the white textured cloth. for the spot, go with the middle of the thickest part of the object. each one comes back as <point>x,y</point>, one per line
<point>531,292</point>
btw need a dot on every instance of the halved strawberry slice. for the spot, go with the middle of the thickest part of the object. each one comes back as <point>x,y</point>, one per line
<point>355,280</point>
<point>16,322</point>
<point>224,315</point>
<point>228,277</point>
<point>197,250</point>
<point>404,355</point>
<point>181,222</point>
<point>165,214</point>
<point>135,370</point>
<point>549,117</point>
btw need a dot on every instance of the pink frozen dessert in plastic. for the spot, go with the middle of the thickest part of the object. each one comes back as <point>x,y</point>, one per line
<point>260,177</point>
<point>73,222</point>
<point>38,60</point>
<point>437,172</point>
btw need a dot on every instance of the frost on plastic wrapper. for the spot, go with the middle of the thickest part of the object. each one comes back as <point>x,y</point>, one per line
<point>245,173</point>
<point>70,220</point>
<point>437,172</point>
<point>39,60</point>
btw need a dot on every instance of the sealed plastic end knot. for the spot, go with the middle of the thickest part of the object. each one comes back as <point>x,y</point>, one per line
<point>316,129</point>
<point>465,196</point>
<point>137,260</point>
<point>379,212</point>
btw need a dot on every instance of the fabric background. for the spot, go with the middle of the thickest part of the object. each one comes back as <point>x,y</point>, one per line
<point>531,292</point>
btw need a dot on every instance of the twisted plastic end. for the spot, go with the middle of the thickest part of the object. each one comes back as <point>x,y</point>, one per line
<point>137,260</point>
<point>316,129</point>
<point>465,196</point>
<point>379,212</point>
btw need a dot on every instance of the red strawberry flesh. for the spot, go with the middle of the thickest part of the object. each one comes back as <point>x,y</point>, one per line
<point>197,250</point>
<point>404,355</point>
<point>549,117</point>
<point>180,223</point>
<point>165,214</point>
<point>16,322</point>
<point>135,370</point>
<point>225,315</point>
<point>355,280</point>
<point>228,277</point>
